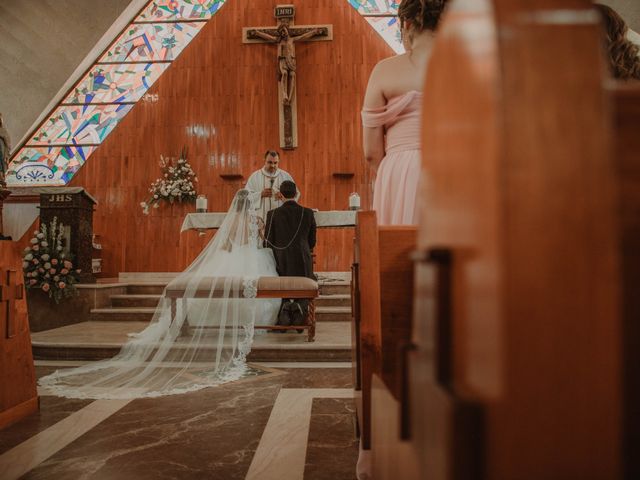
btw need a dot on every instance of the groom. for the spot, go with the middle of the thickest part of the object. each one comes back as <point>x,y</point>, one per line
<point>290,231</point>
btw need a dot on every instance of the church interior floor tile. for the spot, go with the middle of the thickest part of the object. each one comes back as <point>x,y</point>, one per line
<point>332,435</point>
<point>52,410</point>
<point>211,433</point>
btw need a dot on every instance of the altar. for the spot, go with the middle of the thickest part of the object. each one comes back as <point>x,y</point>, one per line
<point>326,219</point>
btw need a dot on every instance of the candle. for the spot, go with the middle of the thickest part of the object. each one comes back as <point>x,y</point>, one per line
<point>354,201</point>
<point>201,204</point>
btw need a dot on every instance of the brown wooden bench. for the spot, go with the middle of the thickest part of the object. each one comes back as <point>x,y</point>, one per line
<point>268,287</point>
<point>382,293</point>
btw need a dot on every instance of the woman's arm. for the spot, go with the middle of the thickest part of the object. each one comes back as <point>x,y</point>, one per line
<point>373,137</point>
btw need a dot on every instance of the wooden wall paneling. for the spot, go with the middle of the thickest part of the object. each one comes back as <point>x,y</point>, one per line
<point>522,190</point>
<point>230,89</point>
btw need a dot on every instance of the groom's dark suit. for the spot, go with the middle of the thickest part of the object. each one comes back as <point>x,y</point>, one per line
<point>290,232</point>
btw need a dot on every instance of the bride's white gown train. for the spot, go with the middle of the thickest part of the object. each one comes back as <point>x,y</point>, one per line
<point>166,358</point>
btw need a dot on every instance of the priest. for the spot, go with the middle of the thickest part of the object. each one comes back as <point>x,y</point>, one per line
<point>264,185</point>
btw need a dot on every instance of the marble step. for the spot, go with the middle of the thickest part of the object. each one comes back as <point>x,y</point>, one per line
<point>335,289</point>
<point>96,340</point>
<point>142,314</point>
<point>338,288</point>
<point>146,288</point>
<point>335,300</point>
<point>135,300</point>
<point>151,300</point>
<point>333,314</point>
<point>124,314</point>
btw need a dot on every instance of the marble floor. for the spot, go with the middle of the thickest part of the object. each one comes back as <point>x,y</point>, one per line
<point>295,421</point>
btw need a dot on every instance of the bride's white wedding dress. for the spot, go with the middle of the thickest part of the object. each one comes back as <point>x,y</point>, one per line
<point>207,341</point>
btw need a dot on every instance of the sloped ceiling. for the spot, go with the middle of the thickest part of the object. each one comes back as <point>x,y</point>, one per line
<point>42,43</point>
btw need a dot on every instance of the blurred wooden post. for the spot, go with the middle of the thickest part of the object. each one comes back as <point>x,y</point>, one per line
<point>18,394</point>
<point>522,191</point>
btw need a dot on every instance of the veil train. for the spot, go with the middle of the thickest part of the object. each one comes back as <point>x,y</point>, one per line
<point>208,341</point>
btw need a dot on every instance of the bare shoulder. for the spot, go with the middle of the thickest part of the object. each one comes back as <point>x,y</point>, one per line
<point>390,64</point>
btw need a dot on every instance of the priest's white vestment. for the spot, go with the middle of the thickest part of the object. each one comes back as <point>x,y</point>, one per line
<point>261,179</point>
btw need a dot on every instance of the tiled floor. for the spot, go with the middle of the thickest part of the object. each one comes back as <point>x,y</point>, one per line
<point>215,433</point>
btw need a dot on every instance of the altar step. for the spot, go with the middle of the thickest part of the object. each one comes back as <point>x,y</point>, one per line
<point>144,314</point>
<point>156,288</point>
<point>151,300</point>
<point>97,340</point>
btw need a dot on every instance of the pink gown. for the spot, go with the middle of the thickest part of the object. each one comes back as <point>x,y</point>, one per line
<point>396,188</point>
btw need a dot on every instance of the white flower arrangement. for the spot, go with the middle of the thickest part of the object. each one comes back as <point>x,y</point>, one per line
<point>177,183</point>
<point>46,268</point>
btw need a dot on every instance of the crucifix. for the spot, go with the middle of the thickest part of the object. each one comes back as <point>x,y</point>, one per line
<point>285,35</point>
<point>10,291</point>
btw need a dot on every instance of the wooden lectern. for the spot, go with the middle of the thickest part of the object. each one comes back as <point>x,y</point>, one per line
<point>74,208</point>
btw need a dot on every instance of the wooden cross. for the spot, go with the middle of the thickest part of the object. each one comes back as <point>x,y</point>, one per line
<point>284,35</point>
<point>10,291</point>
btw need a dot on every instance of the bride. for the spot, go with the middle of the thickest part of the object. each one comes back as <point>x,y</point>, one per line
<point>208,341</point>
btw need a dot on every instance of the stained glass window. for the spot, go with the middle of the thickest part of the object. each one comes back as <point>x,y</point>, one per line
<point>179,10</point>
<point>389,29</point>
<point>382,16</point>
<point>116,83</point>
<point>80,125</point>
<point>152,42</point>
<point>107,92</point>
<point>376,6</point>
<point>48,165</point>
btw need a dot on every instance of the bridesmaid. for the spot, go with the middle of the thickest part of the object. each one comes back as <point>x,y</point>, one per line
<point>391,114</point>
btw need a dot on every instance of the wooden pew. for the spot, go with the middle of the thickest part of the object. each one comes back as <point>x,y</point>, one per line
<point>626,155</point>
<point>18,393</point>
<point>383,293</point>
<point>523,366</point>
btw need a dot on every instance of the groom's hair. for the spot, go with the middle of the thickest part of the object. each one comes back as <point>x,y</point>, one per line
<point>288,189</point>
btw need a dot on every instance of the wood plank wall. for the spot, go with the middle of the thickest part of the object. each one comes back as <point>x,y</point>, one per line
<point>220,100</point>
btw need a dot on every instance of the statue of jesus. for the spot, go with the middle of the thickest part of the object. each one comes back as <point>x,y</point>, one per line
<point>286,55</point>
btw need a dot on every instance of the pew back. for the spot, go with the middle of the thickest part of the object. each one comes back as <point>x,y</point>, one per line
<point>383,297</point>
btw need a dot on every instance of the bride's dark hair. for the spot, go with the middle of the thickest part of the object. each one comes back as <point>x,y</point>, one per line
<point>242,197</point>
<point>423,14</point>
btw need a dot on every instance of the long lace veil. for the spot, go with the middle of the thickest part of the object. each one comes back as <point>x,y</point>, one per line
<point>204,341</point>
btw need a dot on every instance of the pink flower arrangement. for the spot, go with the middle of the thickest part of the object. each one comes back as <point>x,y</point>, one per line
<point>45,263</point>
